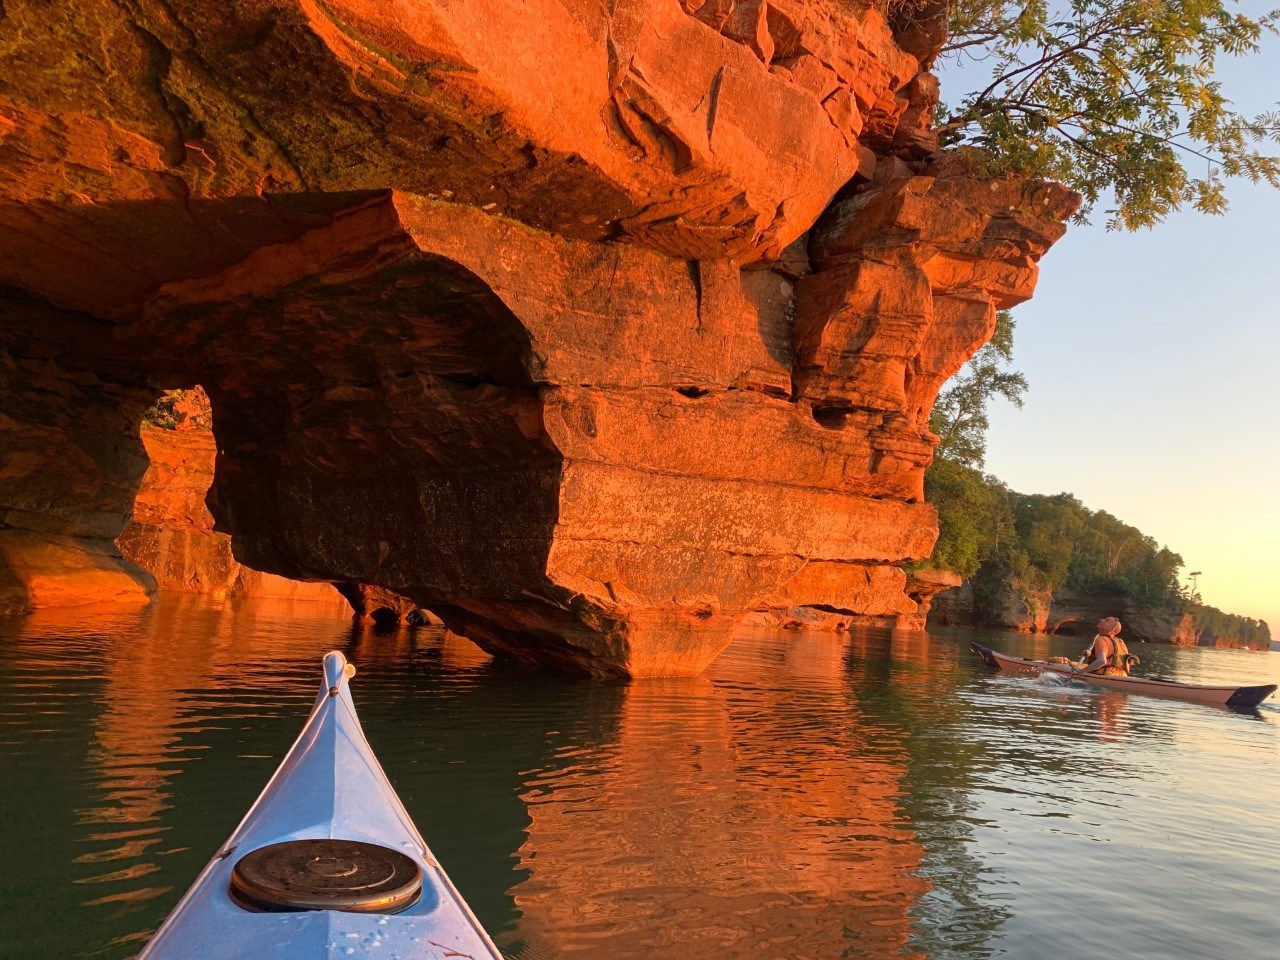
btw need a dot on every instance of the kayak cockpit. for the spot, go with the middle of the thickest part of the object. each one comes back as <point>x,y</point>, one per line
<point>326,874</point>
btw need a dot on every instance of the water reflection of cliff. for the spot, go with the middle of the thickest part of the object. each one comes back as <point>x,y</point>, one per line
<point>811,797</point>
<point>755,814</point>
<point>191,675</point>
<point>914,680</point>
<point>163,685</point>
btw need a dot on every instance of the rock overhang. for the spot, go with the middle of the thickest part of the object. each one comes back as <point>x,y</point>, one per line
<point>221,130</point>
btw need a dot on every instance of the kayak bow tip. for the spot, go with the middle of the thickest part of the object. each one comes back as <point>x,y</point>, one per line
<point>987,655</point>
<point>336,670</point>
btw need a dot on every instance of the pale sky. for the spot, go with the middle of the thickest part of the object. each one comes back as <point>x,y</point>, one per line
<point>1154,361</point>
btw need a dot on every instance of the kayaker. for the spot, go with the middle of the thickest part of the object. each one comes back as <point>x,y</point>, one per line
<point>1108,655</point>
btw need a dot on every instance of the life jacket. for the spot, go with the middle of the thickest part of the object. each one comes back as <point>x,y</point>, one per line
<point>1121,660</point>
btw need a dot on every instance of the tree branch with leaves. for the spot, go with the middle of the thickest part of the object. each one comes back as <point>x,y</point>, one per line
<point>959,416</point>
<point>1114,98</point>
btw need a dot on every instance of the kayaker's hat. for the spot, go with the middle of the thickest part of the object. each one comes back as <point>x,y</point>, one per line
<point>1109,626</point>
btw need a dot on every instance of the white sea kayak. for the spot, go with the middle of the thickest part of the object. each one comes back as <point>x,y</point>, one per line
<point>325,864</point>
<point>1244,698</point>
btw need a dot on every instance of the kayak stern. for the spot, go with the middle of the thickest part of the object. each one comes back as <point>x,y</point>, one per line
<point>1247,698</point>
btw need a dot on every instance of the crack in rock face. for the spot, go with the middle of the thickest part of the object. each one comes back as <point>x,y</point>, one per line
<point>591,363</point>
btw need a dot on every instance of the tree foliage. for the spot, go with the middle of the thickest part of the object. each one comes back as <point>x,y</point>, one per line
<point>1113,98</point>
<point>1050,542</point>
<point>180,410</point>
<point>1092,551</point>
<point>959,417</point>
<point>973,515</point>
<point>1047,542</point>
<point>1214,624</point>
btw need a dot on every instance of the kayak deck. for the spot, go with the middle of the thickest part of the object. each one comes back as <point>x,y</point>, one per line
<point>1238,697</point>
<point>329,786</point>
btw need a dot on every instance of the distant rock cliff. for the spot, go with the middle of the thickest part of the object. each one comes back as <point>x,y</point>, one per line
<point>590,361</point>
<point>995,598</point>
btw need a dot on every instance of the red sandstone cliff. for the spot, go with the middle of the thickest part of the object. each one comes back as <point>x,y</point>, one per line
<point>590,361</point>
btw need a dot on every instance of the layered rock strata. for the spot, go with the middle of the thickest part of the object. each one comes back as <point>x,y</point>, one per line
<point>591,362</point>
<point>923,586</point>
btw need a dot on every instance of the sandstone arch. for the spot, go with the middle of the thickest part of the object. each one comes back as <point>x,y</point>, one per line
<point>1071,627</point>
<point>170,533</point>
<point>592,362</point>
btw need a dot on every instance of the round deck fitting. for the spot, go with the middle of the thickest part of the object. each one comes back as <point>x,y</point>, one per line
<point>326,875</point>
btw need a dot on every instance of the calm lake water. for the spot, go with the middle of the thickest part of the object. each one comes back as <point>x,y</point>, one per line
<point>812,796</point>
